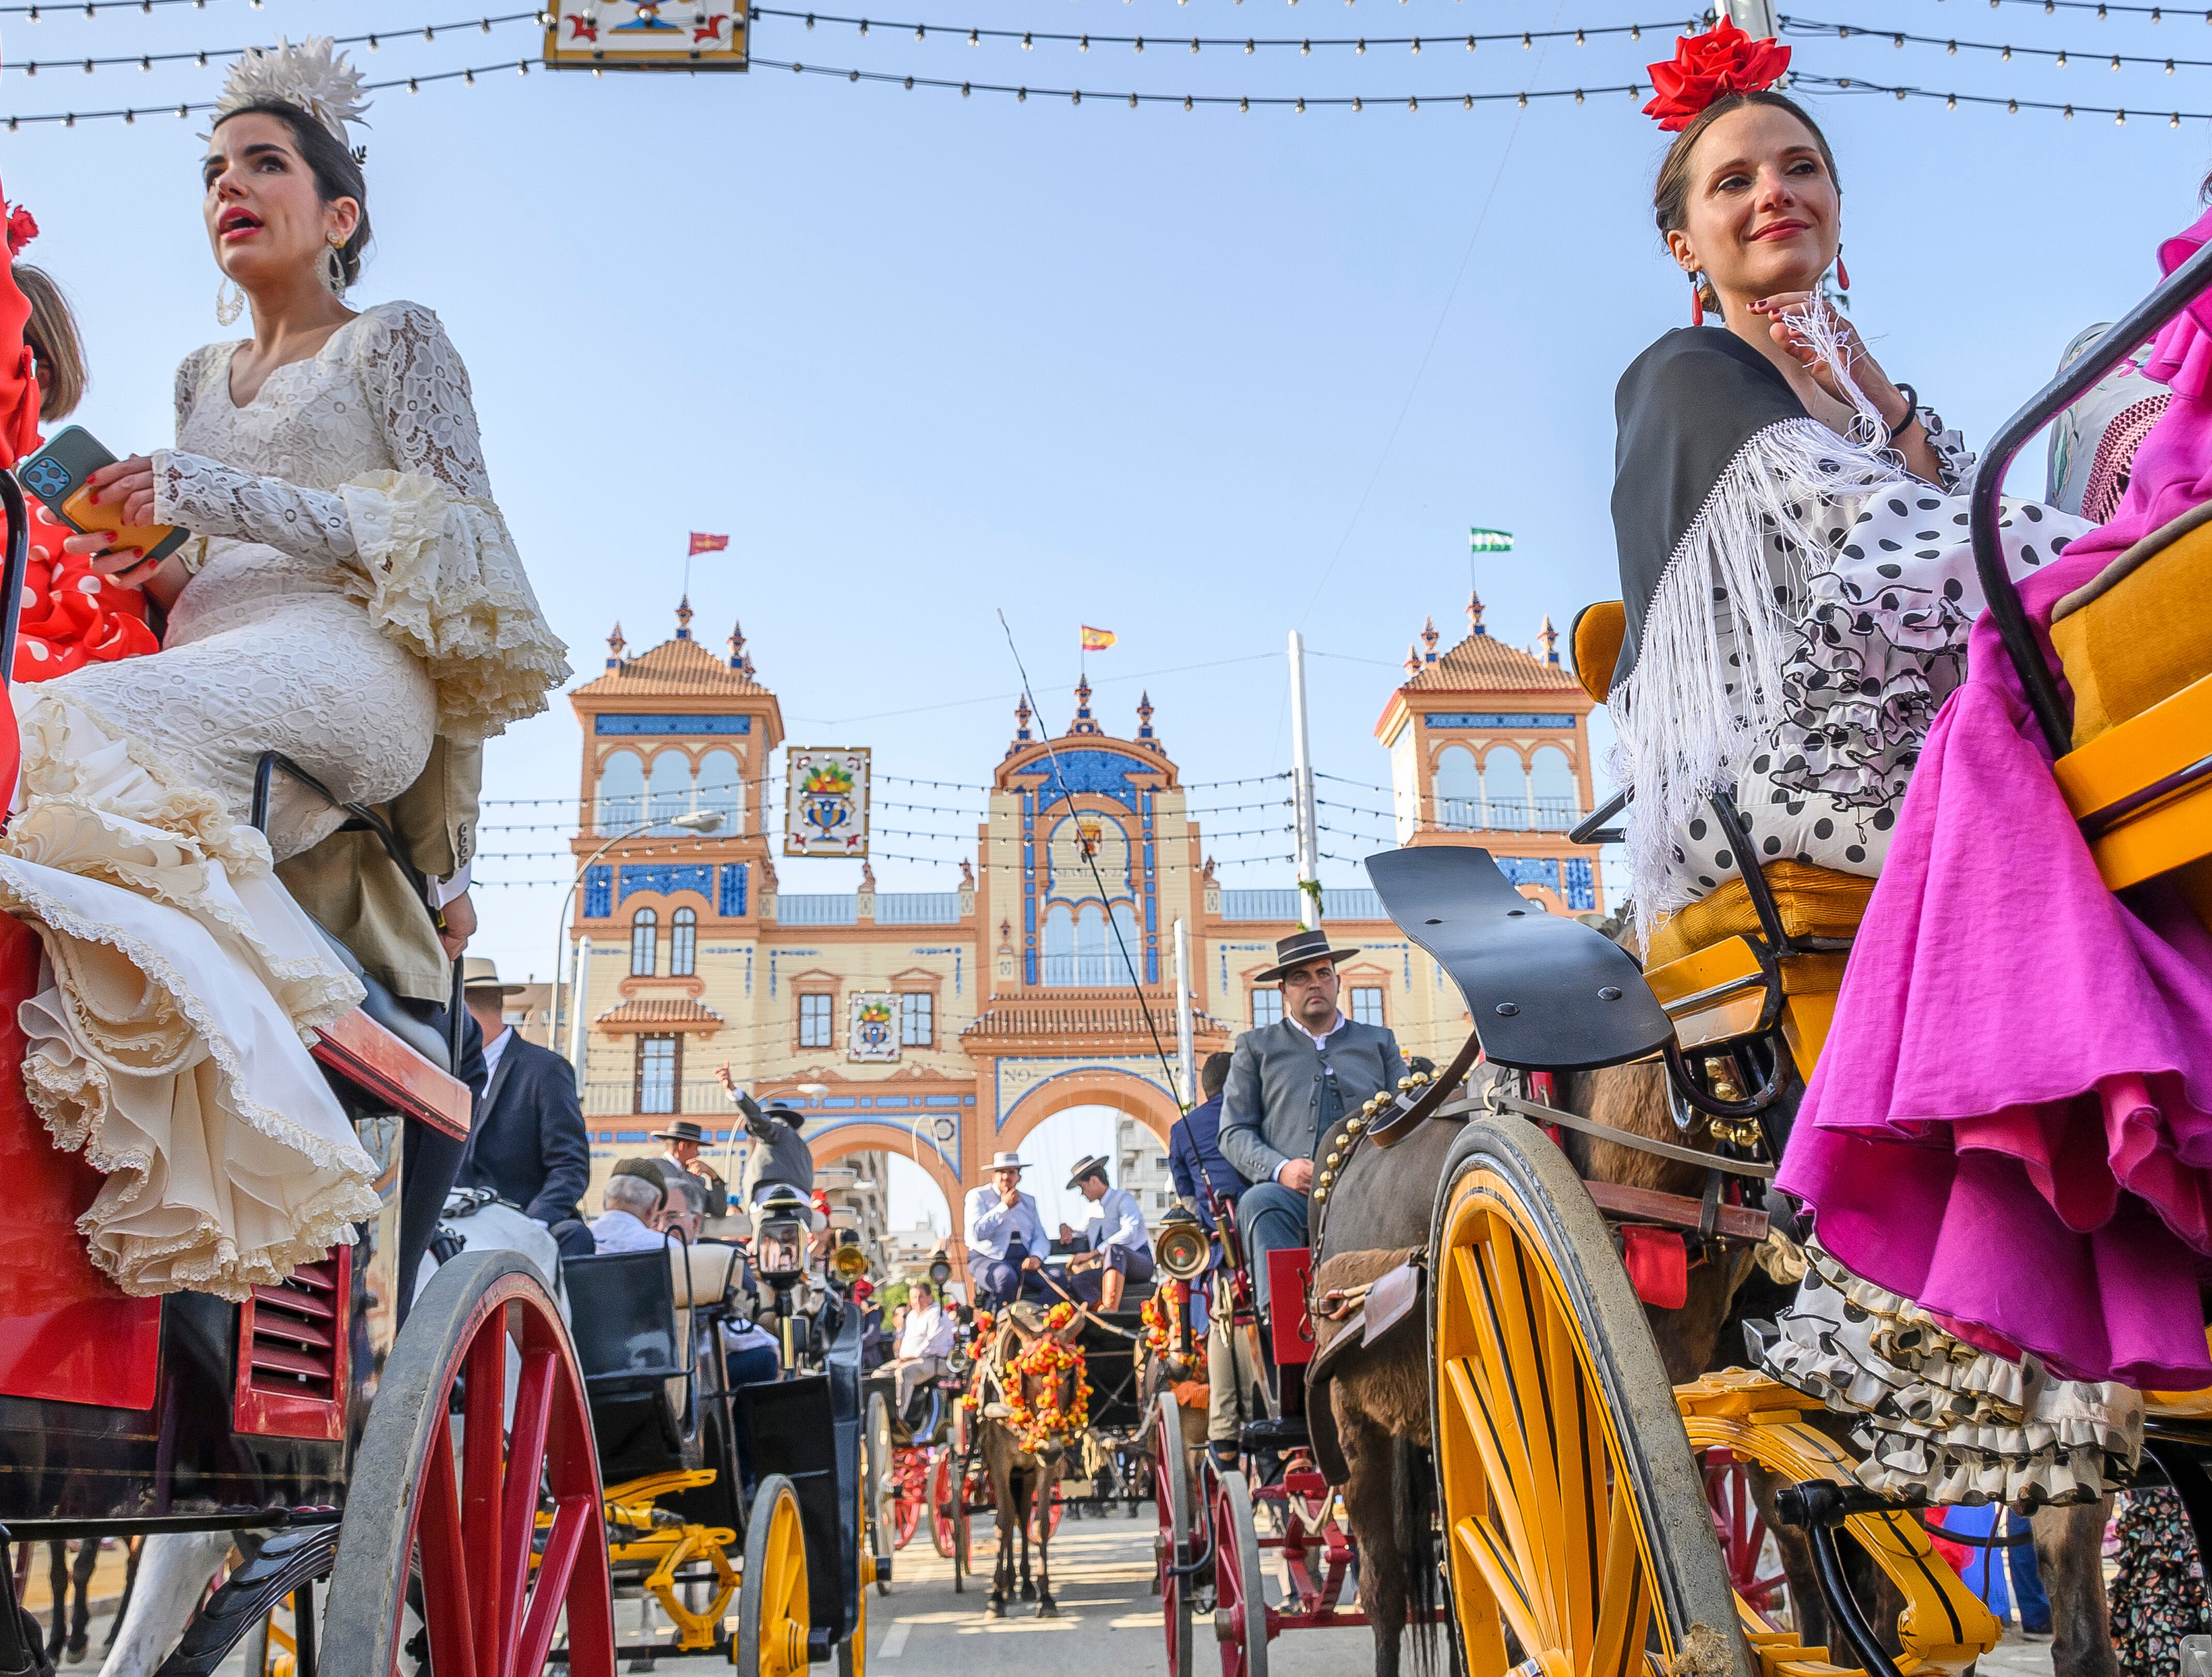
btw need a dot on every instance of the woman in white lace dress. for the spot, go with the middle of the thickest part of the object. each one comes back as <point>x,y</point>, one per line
<point>352,592</point>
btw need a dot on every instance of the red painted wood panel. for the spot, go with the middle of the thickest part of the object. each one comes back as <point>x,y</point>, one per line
<point>355,1046</point>
<point>66,1332</point>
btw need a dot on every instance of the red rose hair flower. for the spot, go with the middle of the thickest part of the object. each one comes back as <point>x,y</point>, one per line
<point>1724,60</point>
<point>22,227</point>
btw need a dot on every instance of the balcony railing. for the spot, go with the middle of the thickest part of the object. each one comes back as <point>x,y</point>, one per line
<point>693,1098</point>
<point>1490,815</point>
<point>1351,904</point>
<point>917,908</point>
<point>1093,969</point>
<point>818,909</point>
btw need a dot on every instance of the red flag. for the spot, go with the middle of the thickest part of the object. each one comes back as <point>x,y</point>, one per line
<point>704,544</point>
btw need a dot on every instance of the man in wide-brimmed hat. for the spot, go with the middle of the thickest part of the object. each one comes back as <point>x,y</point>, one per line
<point>1007,1242</point>
<point>779,1153</point>
<point>688,1173</point>
<point>1290,1085</point>
<point>1113,1247</point>
<point>528,1143</point>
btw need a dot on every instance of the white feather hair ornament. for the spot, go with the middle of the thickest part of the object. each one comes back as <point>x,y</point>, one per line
<point>312,74</point>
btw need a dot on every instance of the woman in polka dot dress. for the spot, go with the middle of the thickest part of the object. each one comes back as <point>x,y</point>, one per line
<point>1798,586</point>
<point>1792,527</point>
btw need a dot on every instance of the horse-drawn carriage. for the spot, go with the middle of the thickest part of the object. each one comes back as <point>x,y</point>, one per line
<point>1591,1514</point>
<point>412,1483</point>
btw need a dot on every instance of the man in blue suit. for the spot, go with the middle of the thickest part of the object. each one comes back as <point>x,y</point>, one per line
<point>528,1145</point>
<point>1195,1158</point>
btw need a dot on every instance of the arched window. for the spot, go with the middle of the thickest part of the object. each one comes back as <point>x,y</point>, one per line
<point>721,787</point>
<point>1127,952</point>
<point>1092,944</point>
<point>683,943</point>
<point>669,789</point>
<point>644,943</point>
<point>621,794</point>
<point>1552,789</point>
<point>1459,789</point>
<point>1505,790</point>
<point>1059,945</point>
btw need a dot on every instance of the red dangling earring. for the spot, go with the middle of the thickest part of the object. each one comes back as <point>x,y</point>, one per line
<point>1697,301</point>
<point>1843,274</point>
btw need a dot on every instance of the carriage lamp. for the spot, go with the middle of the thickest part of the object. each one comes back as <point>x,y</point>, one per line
<point>780,1240</point>
<point>849,1263</point>
<point>940,1268</point>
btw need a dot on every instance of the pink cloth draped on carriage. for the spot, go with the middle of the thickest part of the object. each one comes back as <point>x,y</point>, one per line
<point>2011,1122</point>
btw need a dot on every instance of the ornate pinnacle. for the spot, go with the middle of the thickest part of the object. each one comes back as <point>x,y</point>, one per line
<point>1475,613</point>
<point>683,619</point>
<point>1429,639</point>
<point>615,644</point>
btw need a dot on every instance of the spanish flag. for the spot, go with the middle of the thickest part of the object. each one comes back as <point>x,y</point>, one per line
<point>705,543</point>
<point>1097,639</point>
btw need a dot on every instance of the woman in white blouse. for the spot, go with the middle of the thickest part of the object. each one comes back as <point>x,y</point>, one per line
<point>351,593</point>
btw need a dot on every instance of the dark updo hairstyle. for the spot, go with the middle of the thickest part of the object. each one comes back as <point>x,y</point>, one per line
<point>1670,193</point>
<point>336,170</point>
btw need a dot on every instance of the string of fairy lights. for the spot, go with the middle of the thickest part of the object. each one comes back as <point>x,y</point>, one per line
<point>1021,90</point>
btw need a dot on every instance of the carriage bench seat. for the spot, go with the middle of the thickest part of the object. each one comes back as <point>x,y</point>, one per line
<point>1815,903</point>
<point>2140,630</point>
<point>385,1049</point>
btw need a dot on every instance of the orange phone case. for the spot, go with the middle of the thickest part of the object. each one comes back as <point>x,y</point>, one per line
<point>80,511</point>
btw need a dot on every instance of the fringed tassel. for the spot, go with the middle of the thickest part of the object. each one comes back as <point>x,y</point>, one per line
<point>1825,335</point>
<point>1688,719</point>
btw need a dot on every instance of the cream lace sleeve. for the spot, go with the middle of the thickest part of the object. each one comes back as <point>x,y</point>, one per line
<point>440,572</point>
<point>423,548</point>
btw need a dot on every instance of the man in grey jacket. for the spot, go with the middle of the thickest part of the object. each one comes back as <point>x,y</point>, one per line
<point>1290,1085</point>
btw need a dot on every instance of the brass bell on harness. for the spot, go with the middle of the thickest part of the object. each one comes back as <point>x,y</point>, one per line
<point>1321,1194</point>
<point>1353,1125</point>
<point>1335,1159</point>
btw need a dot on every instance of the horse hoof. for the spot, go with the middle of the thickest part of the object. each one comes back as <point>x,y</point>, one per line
<point>1046,1610</point>
<point>998,1610</point>
<point>1029,1592</point>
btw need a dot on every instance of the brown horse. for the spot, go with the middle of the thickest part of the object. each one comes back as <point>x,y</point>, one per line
<point>1023,1452</point>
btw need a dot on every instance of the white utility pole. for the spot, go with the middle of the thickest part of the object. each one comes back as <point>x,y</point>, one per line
<point>1185,1053</point>
<point>1754,17</point>
<point>580,982</point>
<point>1302,791</point>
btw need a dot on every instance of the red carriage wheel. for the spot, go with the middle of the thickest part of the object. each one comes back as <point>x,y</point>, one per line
<point>1171,1496</point>
<point>910,1481</point>
<point>1240,1601</point>
<point>940,1500</point>
<point>1742,1532</point>
<point>455,1508</point>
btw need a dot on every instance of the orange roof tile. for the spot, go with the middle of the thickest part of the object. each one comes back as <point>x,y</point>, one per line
<point>674,669</point>
<point>1483,663</point>
<point>650,1012</point>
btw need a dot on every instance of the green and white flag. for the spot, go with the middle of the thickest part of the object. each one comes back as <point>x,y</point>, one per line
<point>1479,540</point>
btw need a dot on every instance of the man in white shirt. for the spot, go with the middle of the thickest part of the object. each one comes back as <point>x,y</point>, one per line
<point>1116,1249</point>
<point>1006,1238</point>
<point>631,1204</point>
<point>925,1343</point>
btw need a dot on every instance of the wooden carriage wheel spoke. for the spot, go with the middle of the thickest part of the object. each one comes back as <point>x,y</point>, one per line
<point>1507,1505</point>
<point>526,1466</point>
<point>1583,1501</point>
<point>1625,1607</point>
<point>1480,1542</point>
<point>483,1426</point>
<point>445,1597</point>
<point>563,1545</point>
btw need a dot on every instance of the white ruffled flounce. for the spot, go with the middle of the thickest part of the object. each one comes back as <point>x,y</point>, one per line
<point>441,577</point>
<point>167,1046</point>
<point>1944,1420</point>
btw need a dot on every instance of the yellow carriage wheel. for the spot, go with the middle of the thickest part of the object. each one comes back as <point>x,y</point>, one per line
<point>1577,1540</point>
<point>774,1614</point>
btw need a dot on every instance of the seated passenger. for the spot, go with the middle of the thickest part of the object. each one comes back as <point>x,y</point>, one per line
<point>1799,588</point>
<point>1194,1160</point>
<point>1793,557</point>
<point>350,594</point>
<point>1113,1247</point>
<point>925,1345</point>
<point>2012,1120</point>
<point>1006,1238</point>
<point>631,1204</point>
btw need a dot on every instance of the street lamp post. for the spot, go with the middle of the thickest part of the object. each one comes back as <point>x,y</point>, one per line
<point>696,821</point>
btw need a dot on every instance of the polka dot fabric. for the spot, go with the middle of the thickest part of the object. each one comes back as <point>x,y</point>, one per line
<point>1881,644</point>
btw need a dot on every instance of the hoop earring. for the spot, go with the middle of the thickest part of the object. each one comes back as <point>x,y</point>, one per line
<point>1697,300</point>
<point>334,276</point>
<point>229,302</point>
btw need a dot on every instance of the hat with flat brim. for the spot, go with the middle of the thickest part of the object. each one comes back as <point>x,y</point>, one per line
<point>1004,1162</point>
<point>682,1130</point>
<point>479,977</point>
<point>1298,949</point>
<point>1090,1164</point>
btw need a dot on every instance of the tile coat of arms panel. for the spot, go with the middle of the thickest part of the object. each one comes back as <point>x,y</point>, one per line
<point>825,806</point>
<point>647,34</point>
<point>874,1032</point>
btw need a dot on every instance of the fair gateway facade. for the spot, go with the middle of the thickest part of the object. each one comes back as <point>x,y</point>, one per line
<point>946,1025</point>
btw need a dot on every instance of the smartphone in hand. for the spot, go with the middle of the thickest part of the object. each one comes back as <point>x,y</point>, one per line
<point>59,475</point>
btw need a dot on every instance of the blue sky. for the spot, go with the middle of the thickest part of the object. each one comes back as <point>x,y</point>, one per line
<point>1198,377</point>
